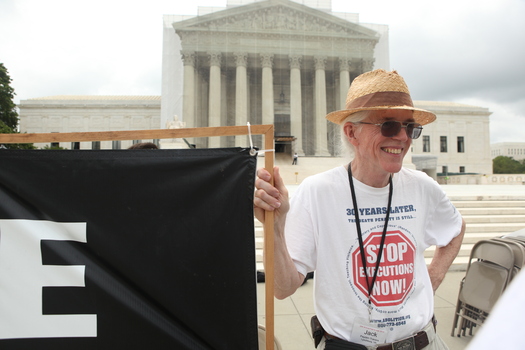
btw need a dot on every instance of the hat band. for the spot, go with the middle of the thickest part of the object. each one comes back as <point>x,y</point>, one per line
<point>380,99</point>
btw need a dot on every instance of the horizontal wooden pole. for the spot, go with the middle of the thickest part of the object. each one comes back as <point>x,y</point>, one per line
<point>134,134</point>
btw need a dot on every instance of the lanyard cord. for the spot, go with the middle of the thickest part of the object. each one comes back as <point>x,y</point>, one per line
<point>369,285</point>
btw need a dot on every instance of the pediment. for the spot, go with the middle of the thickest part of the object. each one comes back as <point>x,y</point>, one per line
<point>281,16</point>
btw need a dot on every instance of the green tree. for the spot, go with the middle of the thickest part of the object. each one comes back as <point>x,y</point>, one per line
<point>6,130</point>
<point>507,165</point>
<point>8,113</point>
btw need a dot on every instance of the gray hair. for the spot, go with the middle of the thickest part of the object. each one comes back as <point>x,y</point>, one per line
<point>347,147</point>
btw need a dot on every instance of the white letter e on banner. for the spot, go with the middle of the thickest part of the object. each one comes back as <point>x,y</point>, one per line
<point>22,277</point>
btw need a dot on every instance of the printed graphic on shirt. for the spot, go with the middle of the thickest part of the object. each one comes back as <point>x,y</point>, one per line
<point>400,212</point>
<point>395,275</point>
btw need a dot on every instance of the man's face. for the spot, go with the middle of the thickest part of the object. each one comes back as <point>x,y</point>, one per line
<point>375,153</point>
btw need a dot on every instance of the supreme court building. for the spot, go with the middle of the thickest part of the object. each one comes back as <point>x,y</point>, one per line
<point>280,62</point>
<point>277,62</point>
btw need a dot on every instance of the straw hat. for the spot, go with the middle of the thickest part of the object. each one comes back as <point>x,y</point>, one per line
<point>377,90</point>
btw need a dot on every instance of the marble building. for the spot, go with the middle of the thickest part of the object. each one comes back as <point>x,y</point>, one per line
<point>458,142</point>
<point>516,150</point>
<point>87,113</point>
<point>267,62</point>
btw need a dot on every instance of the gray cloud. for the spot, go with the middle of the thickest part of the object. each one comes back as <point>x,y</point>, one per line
<point>470,53</point>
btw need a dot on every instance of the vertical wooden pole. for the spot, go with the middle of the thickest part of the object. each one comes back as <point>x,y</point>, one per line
<point>269,246</point>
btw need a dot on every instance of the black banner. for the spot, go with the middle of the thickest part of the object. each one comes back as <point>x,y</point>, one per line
<point>127,249</point>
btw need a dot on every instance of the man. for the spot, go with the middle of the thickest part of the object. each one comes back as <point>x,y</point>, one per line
<point>144,145</point>
<point>363,227</point>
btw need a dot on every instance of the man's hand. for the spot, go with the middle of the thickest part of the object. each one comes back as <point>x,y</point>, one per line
<point>270,198</point>
<point>275,199</point>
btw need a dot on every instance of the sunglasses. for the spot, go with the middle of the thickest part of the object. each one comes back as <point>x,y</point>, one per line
<point>391,128</point>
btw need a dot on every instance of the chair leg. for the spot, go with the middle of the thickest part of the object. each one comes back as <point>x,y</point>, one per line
<point>456,317</point>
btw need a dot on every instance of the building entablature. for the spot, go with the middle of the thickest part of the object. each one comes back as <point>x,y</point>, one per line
<point>443,108</point>
<point>91,102</point>
<point>276,16</point>
<point>277,27</point>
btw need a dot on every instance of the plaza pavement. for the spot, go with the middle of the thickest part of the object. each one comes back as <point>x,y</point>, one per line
<point>292,315</point>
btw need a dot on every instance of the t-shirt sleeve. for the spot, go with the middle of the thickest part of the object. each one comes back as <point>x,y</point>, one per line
<point>444,222</point>
<point>300,232</point>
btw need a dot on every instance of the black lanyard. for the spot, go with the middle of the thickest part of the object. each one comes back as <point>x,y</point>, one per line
<point>369,285</point>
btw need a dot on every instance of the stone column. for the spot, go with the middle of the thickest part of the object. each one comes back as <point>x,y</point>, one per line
<point>344,81</point>
<point>368,65</point>
<point>267,89</point>
<point>296,101</point>
<point>214,111</point>
<point>241,96</point>
<point>321,132</point>
<point>188,94</point>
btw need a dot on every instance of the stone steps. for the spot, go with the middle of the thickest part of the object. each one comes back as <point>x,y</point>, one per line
<point>485,219</point>
<point>498,228</point>
<point>492,211</point>
<point>470,238</point>
<point>488,203</point>
<point>491,218</point>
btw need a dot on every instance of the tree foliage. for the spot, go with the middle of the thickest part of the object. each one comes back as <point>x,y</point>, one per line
<point>4,129</point>
<point>507,165</point>
<point>8,113</point>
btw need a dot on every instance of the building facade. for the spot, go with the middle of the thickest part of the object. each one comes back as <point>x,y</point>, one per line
<point>458,142</point>
<point>515,150</point>
<point>268,62</point>
<point>89,113</point>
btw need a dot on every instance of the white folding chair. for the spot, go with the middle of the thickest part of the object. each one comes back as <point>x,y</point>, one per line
<point>488,273</point>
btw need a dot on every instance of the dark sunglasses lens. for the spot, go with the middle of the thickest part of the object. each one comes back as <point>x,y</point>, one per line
<point>390,128</point>
<point>414,130</point>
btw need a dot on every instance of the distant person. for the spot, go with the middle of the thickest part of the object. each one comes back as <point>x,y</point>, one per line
<point>295,156</point>
<point>144,145</point>
<point>364,227</point>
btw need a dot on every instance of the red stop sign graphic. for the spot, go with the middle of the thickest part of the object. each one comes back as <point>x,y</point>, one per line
<point>395,276</point>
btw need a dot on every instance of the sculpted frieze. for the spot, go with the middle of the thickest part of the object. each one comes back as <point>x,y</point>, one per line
<point>279,18</point>
<point>197,40</point>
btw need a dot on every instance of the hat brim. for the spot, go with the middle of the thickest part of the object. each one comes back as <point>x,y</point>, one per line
<point>421,116</point>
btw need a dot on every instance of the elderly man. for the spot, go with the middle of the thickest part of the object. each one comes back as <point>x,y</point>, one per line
<point>363,228</point>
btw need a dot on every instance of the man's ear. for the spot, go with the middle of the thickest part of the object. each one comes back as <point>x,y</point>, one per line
<point>350,129</point>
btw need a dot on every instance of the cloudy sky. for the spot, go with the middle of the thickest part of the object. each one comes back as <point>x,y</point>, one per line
<point>467,51</point>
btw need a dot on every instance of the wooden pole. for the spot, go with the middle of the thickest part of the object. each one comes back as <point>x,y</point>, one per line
<point>269,246</point>
<point>134,134</point>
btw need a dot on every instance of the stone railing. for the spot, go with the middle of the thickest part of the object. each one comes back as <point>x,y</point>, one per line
<point>491,179</point>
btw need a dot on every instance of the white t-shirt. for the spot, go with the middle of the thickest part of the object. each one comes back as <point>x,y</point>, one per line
<point>321,236</point>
